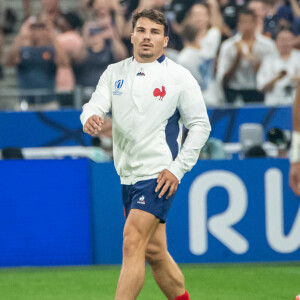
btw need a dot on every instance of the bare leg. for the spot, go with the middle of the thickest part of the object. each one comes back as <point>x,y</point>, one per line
<point>165,271</point>
<point>139,228</point>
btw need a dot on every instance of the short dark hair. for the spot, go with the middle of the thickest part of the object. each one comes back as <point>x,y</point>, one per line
<point>154,15</point>
<point>72,19</point>
<point>248,12</point>
<point>189,32</point>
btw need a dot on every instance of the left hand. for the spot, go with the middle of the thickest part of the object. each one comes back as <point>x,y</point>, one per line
<point>167,181</point>
<point>295,177</point>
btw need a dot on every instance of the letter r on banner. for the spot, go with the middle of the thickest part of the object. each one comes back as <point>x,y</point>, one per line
<point>220,225</point>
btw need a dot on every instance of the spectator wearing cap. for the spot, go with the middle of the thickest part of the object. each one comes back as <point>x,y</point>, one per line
<point>280,72</point>
<point>72,43</point>
<point>36,58</point>
<point>240,58</point>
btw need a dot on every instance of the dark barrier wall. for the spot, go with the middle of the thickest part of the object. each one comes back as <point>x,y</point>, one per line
<point>63,128</point>
<point>44,213</point>
<point>225,211</point>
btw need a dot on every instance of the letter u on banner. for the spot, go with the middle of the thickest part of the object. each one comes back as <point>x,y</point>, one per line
<point>277,240</point>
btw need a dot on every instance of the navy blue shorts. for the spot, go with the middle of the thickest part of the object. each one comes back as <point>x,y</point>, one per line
<point>141,195</point>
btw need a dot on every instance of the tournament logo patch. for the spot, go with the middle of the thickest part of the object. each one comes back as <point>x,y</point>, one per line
<point>118,85</point>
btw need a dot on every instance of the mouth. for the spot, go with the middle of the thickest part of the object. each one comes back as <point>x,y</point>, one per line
<point>146,46</point>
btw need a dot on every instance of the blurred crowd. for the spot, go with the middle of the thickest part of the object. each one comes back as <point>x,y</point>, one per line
<point>239,51</point>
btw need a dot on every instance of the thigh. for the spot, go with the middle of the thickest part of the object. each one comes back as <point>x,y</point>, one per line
<point>140,225</point>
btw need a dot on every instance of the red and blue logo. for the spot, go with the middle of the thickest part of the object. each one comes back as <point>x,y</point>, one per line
<point>140,74</point>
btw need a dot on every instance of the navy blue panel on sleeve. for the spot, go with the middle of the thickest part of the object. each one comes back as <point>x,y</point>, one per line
<point>172,131</point>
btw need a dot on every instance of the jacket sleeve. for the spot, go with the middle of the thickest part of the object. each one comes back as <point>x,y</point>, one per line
<point>194,115</point>
<point>100,102</point>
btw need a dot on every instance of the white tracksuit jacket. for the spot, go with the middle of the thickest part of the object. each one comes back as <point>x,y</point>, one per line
<point>149,102</point>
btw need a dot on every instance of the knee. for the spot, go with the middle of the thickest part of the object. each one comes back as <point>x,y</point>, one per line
<point>131,245</point>
<point>154,255</point>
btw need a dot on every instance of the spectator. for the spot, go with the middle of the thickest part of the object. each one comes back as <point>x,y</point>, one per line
<point>200,62</point>
<point>279,73</point>
<point>277,15</point>
<point>208,20</point>
<point>230,11</point>
<point>36,58</point>
<point>49,13</point>
<point>72,43</point>
<point>105,13</point>
<point>104,47</point>
<point>202,36</point>
<point>240,58</point>
<point>260,10</point>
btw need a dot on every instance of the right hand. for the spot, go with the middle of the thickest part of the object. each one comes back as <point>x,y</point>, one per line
<point>93,125</point>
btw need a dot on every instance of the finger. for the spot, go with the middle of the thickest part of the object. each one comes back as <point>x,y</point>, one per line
<point>90,127</point>
<point>159,185</point>
<point>95,125</point>
<point>171,191</point>
<point>164,189</point>
<point>91,131</point>
<point>160,176</point>
<point>98,120</point>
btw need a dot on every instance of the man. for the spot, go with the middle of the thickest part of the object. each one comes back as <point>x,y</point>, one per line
<point>36,59</point>
<point>278,75</point>
<point>149,96</point>
<point>240,58</point>
<point>200,61</point>
<point>295,150</point>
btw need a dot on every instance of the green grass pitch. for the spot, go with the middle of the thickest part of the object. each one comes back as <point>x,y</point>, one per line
<point>203,281</point>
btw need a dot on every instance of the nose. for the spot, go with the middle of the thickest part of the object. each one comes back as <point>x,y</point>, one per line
<point>146,35</point>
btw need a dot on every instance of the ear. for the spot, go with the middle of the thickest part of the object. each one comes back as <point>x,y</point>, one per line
<point>131,38</point>
<point>166,41</point>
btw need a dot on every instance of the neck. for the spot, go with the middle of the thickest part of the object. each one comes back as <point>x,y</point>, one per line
<point>248,36</point>
<point>194,44</point>
<point>143,60</point>
<point>285,55</point>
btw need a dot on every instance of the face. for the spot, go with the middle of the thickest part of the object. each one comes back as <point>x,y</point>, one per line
<point>148,40</point>
<point>285,42</point>
<point>246,24</point>
<point>38,34</point>
<point>199,16</point>
<point>102,7</point>
<point>259,9</point>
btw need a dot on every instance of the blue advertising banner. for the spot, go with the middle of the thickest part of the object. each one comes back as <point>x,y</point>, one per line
<point>224,211</point>
<point>63,128</point>
<point>44,213</point>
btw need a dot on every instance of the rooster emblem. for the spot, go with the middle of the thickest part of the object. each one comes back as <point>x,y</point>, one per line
<point>160,93</point>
